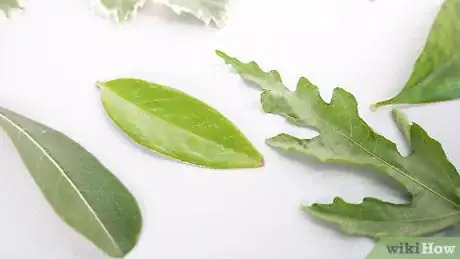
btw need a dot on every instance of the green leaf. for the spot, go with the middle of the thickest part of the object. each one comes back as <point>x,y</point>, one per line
<point>177,125</point>
<point>427,175</point>
<point>79,188</point>
<point>436,74</point>
<point>122,9</point>
<point>206,10</point>
<point>403,123</point>
<point>7,5</point>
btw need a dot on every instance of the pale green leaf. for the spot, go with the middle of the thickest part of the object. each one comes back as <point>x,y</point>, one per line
<point>7,5</point>
<point>206,10</point>
<point>436,73</point>
<point>403,123</point>
<point>426,174</point>
<point>84,193</point>
<point>122,10</point>
<point>177,125</point>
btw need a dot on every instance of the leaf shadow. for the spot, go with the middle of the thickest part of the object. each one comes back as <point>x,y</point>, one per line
<point>166,13</point>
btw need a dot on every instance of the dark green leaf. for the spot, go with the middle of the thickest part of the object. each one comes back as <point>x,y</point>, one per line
<point>79,188</point>
<point>177,125</point>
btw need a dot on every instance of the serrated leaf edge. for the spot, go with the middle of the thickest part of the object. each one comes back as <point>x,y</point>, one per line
<point>112,14</point>
<point>178,9</point>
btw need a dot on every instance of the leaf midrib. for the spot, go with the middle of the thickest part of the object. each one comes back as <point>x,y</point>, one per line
<point>63,173</point>
<point>383,160</point>
<point>456,213</point>
<point>178,126</point>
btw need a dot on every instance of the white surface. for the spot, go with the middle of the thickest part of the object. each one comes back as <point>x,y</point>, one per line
<point>52,54</point>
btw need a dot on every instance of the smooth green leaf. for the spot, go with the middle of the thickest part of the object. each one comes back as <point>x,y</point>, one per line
<point>122,9</point>
<point>7,5</point>
<point>79,188</point>
<point>177,125</point>
<point>427,175</point>
<point>206,10</point>
<point>436,74</point>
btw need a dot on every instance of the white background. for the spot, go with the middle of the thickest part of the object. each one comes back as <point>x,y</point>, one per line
<point>53,52</point>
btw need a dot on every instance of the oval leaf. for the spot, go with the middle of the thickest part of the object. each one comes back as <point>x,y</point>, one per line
<point>177,125</point>
<point>78,187</point>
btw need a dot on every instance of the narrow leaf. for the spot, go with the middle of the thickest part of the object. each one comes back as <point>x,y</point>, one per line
<point>7,5</point>
<point>436,74</point>
<point>426,174</point>
<point>177,125</point>
<point>79,188</point>
<point>206,10</point>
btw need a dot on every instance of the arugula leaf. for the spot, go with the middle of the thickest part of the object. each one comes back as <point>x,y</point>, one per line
<point>426,174</point>
<point>177,125</point>
<point>436,74</point>
<point>206,10</point>
<point>82,191</point>
<point>122,9</point>
<point>7,5</point>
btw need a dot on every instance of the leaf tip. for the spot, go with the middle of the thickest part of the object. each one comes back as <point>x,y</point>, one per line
<point>222,54</point>
<point>374,107</point>
<point>261,162</point>
<point>258,161</point>
<point>100,84</point>
<point>380,104</point>
<point>305,208</point>
<point>396,113</point>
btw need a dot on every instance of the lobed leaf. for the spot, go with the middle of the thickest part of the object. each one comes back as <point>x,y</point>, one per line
<point>177,125</point>
<point>436,73</point>
<point>426,174</point>
<point>85,194</point>
<point>122,10</point>
<point>205,10</point>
